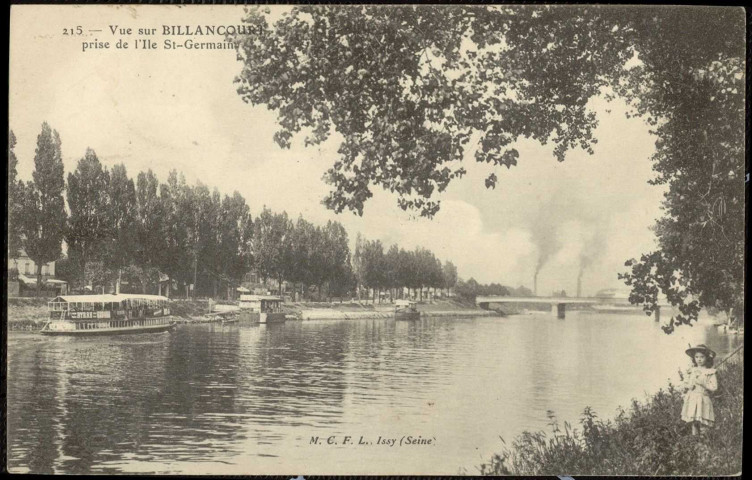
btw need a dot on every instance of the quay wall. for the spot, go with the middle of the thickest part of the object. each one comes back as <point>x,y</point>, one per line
<point>331,314</point>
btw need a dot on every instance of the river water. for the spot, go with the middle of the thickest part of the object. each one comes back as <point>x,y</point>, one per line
<point>250,399</point>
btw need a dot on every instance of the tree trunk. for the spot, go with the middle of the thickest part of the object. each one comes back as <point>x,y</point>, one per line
<point>83,269</point>
<point>144,280</point>
<point>39,279</point>
<point>117,282</point>
<point>195,268</point>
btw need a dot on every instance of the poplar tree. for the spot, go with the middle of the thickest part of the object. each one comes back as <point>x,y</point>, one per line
<point>449,274</point>
<point>270,244</point>
<point>43,217</point>
<point>87,228</point>
<point>15,201</point>
<point>175,258</point>
<point>149,227</point>
<point>121,222</point>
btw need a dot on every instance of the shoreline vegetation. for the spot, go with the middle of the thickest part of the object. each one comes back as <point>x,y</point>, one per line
<point>30,313</point>
<point>647,438</point>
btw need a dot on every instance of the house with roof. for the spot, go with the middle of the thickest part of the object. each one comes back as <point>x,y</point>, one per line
<point>22,278</point>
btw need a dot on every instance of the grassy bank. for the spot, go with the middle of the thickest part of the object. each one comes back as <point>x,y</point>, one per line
<point>648,438</point>
<point>27,313</point>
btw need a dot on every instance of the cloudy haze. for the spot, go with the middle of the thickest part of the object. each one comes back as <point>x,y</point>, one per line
<point>179,110</point>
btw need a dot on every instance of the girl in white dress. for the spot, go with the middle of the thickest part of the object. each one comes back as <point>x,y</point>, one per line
<point>699,383</point>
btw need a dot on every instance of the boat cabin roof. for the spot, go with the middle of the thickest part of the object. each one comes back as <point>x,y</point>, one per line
<point>404,303</point>
<point>108,298</point>
<point>256,298</point>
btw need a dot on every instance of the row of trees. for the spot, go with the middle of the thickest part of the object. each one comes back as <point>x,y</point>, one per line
<point>302,253</point>
<point>395,269</point>
<point>118,229</point>
<point>471,288</point>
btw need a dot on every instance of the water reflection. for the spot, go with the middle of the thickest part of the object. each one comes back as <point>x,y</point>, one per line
<point>247,399</point>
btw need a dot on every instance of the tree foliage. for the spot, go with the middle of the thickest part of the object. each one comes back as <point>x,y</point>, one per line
<point>471,289</point>
<point>449,272</point>
<point>235,231</point>
<point>407,87</point>
<point>150,228</point>
<point>691,89</point>
<point>42,219</point>
<point>88,198</point>
<point>270,235</point>
<point>413,89</point>
<point>121,221</point>
<point>15,200</point>
<point>396,268</point>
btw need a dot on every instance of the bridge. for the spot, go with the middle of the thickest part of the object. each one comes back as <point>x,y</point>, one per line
<point>559,304</point>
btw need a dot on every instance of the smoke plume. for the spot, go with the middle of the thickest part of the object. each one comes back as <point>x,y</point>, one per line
<point>547,232</point>
<point>592,250</point>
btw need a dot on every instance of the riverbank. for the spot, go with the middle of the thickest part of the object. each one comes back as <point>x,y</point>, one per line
<point>30,314</point>
<point>357,310</point>
<point>646,439</point>
<point>323,314</point>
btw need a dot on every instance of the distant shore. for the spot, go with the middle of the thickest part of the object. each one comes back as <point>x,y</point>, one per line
<point>30,313</point>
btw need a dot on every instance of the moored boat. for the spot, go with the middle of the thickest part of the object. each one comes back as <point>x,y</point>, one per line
<point>406,310</point>
<point>262,308</point>
<point>80,315</point>
<point>625,309</point>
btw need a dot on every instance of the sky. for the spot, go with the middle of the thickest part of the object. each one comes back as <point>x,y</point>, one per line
<point>165,110</point>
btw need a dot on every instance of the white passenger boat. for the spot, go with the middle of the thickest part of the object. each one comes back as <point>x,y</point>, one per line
<point>108,314</point>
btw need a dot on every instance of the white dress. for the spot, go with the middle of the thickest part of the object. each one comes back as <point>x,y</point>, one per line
<point>698,407</point>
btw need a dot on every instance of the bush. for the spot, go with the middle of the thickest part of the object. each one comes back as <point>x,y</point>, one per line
<point>647,439</point>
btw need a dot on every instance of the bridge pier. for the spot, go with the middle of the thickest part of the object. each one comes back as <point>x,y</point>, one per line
<point>559,309</point>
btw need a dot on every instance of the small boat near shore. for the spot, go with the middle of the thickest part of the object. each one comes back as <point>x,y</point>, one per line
<point>623,309</point>
<point>405,310</point>
<point>262,308</point>
<point>81,315</point>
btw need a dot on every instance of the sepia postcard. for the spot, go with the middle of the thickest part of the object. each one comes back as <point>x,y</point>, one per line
<point>383,240</point>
